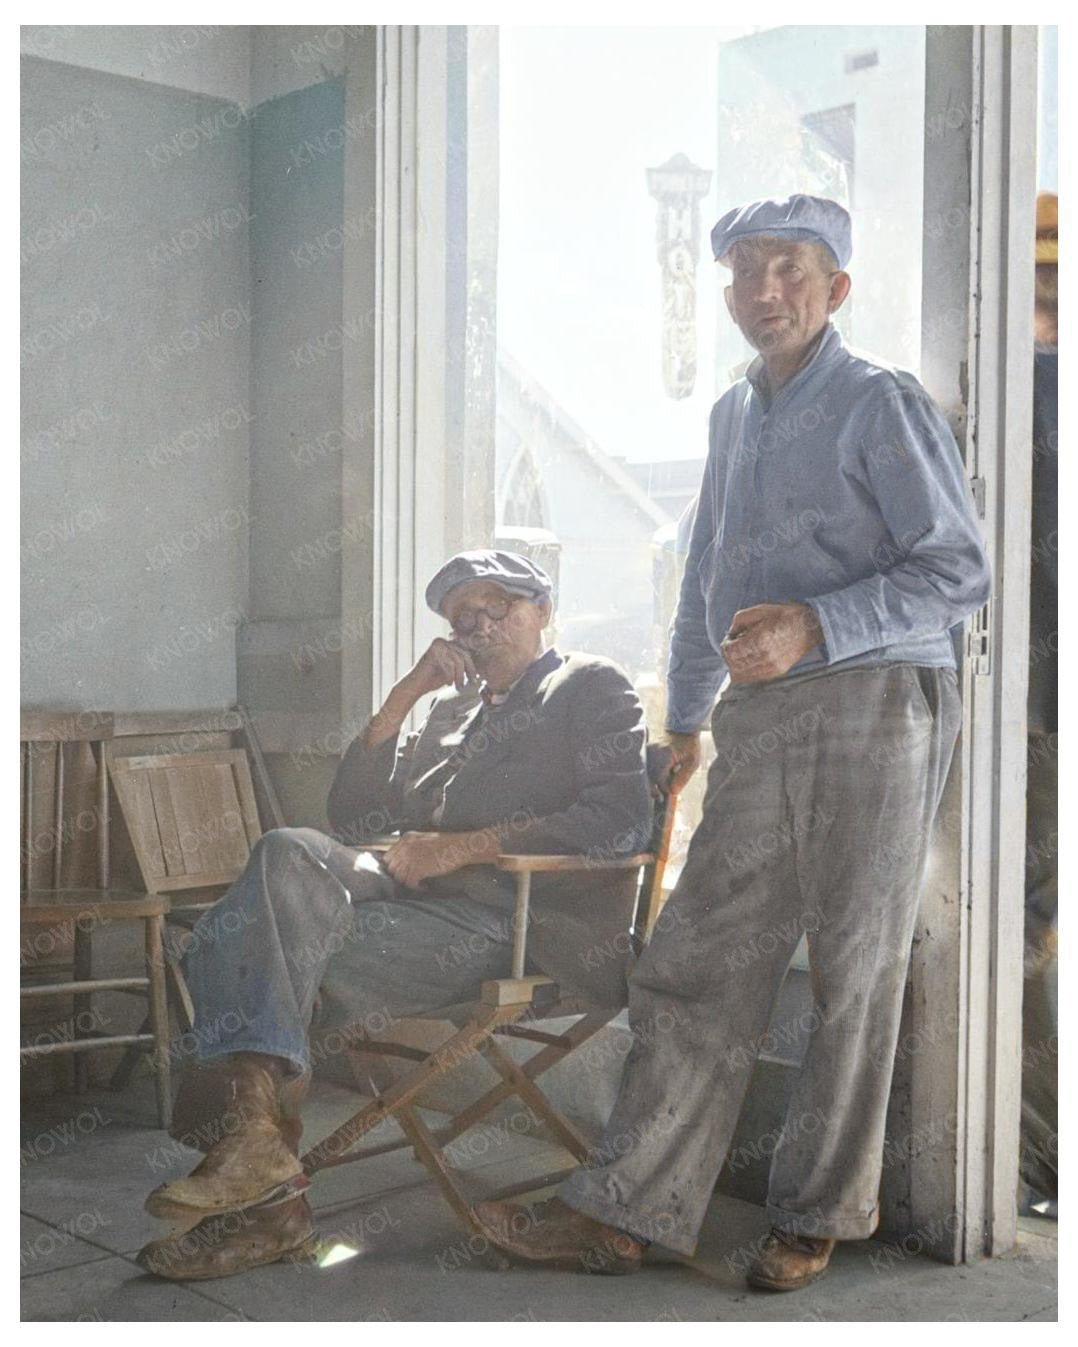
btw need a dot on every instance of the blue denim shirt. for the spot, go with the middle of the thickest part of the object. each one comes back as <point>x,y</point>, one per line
<point>845,492</point>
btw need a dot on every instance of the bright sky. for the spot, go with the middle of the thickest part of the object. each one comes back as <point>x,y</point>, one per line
<point>584,112</point>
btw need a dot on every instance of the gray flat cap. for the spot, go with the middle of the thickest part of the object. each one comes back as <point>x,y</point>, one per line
<point>802,219</point>
<point>508,569</point>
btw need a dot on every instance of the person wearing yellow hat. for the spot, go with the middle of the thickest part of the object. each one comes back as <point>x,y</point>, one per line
<point>1047,262</point>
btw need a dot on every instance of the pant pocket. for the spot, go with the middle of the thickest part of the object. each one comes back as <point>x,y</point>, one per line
<point>924,688</point>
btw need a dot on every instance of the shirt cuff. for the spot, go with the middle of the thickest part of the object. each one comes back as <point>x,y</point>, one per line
<point>843,634</point>
<point>687,713</point>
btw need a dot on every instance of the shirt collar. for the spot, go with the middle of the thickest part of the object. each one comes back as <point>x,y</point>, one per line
<point>536,670</point>
<point>828,342</point>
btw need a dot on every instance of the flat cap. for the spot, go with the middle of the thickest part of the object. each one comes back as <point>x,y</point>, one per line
<point>802,219</point>
<point>508,569</point>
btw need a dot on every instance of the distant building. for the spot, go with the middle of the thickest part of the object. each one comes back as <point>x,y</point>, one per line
<point>551,475</point>
<point>671,483</point>
<point>835,111</point>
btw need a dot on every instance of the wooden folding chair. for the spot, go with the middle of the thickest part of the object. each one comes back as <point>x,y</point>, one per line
<point>192,820</point>
<point>63,760</point>
<point>501,1007</point>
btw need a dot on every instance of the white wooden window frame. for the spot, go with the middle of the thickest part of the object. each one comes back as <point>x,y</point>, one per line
<point>962,1079</point>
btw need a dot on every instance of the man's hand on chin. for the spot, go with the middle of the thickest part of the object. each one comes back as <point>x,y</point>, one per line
<point>419,856</point>
<point>768,639</point>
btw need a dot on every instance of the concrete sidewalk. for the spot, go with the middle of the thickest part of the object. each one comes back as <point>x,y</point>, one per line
<point>398,1253</point>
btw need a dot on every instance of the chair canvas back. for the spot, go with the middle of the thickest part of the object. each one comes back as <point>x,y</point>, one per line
<point>192,817</point>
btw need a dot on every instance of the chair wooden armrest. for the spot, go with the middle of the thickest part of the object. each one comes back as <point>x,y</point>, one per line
<point>524,866</point>
<point>535,863</point>
<point>566,864</point>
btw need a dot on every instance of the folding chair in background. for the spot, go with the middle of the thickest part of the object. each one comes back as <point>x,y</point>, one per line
<point>64,757</point>
<point>192,820</point>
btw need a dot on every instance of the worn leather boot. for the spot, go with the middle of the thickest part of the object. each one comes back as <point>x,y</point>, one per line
<point>552,1232</point>
<point>206,1107</point>
<point>787,1262</point>
<point>252,1157</point>
<point>234,1241</point>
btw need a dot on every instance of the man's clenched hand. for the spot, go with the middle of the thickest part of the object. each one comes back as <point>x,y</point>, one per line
<point>686,755</point>
<point>419,856</point>
<point>768,639</point>
<point>443,662</point>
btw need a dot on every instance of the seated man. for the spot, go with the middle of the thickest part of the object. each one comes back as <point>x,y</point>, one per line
<point>527,752</point>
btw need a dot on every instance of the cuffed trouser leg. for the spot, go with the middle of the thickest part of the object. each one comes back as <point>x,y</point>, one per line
<point>699,1002</point>
<point>817,817</point>
<point>310,917</point>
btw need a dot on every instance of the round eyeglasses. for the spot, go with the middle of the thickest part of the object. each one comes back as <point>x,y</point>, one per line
<point>496,610</point>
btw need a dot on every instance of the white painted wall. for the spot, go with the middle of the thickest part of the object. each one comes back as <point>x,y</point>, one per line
<point>136,324</point>
<point>201,58</point>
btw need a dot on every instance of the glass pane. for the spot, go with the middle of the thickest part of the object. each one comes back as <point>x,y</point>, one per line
<point>619,148</point>
<point>1048,110</point>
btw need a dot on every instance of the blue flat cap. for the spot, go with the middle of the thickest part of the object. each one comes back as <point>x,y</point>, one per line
<point>508,569</point>
<point>802,219</point>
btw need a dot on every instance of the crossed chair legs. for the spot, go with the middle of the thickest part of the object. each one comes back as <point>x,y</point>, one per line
<point>244,1204</point>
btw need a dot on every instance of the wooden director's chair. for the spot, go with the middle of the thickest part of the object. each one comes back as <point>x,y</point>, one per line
<point>502,1004</point>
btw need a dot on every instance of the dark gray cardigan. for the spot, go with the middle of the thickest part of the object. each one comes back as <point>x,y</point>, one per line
<point>559,767</point>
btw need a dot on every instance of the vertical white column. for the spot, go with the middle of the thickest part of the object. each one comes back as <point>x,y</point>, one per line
<point>418,493</point>
<point>1001,419</point>
<point>955,1108</point>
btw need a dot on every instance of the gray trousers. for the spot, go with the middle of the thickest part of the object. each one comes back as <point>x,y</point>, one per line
<point>817,817</point>
<point>311,922</point>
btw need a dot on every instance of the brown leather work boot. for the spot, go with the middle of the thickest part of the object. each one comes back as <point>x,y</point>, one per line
<point>206,1107</point>
<point>787,1262</point>
<point>234,1241</point>
<point>251,1158</point>
<point>552,1232</point>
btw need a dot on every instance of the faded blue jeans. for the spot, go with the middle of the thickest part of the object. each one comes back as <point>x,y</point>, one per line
<point>311,920</point>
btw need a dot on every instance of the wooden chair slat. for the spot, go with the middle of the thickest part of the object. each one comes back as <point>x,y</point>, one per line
<point>106,907</point>
<point>66,726</point>
<point>136,805</point>
<point>231,841</point>
<point>168,830</point>
<point>193,819</point>
<point>210,880</point>
<point>131,723</point>
<point>202,757</point>
<point>248,806</point>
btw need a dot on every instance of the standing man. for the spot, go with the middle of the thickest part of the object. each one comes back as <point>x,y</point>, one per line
<point>834,547</point>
